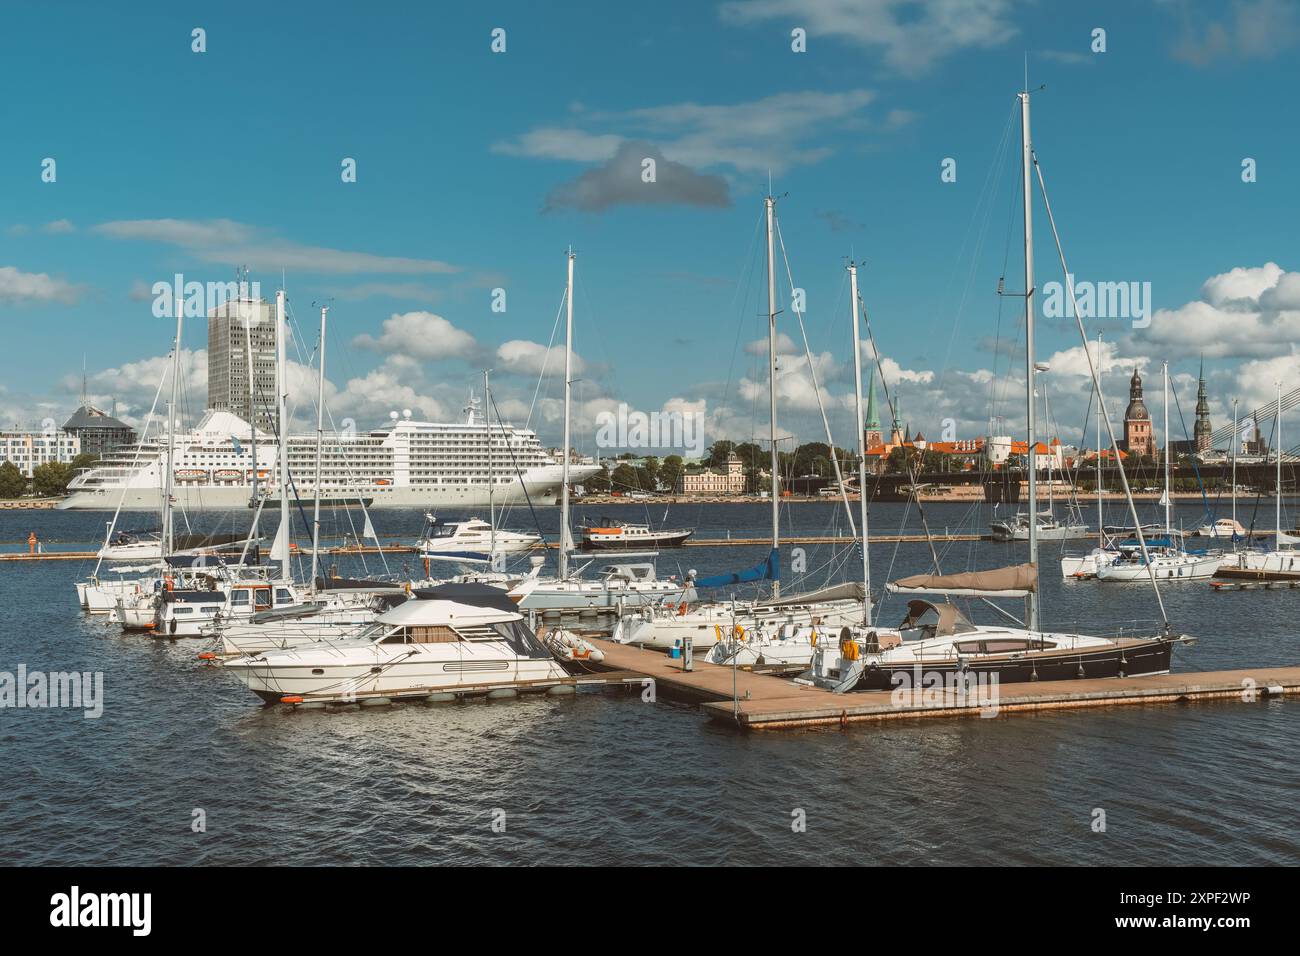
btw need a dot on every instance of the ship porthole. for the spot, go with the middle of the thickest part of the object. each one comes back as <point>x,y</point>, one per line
<point>318,672</point>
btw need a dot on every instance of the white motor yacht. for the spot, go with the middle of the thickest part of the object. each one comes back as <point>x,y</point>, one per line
<point>423,649</point>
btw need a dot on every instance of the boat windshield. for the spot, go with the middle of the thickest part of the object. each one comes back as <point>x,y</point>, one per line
<point>521,639</point>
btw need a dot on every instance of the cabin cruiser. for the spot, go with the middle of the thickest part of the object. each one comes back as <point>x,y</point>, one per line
<point>616,586</point>
<point>938,639</point>
<point>432,649</point>
<point>614,535</point>
<point>1016,528</point>
<point>472,539</point>
<point>1228,528</point>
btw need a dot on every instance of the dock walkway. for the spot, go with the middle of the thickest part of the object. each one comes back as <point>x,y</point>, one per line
<point>762,702</point>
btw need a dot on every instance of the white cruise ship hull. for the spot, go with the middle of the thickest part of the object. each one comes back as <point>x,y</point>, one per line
<point>539,485</point>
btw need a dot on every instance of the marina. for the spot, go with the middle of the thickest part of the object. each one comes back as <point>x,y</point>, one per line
<point>766,433</point>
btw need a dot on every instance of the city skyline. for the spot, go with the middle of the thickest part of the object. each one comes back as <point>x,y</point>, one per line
<point>457,198</point>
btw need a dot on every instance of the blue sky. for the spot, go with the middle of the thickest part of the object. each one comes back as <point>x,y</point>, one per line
<point>476,170</point>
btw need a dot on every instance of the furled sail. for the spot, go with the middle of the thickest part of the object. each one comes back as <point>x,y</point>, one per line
<point>1014,581</point>
<point>770,569</point>
<point>1285,540</point>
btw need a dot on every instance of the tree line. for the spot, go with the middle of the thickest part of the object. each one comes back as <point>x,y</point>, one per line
<point>49,480</point>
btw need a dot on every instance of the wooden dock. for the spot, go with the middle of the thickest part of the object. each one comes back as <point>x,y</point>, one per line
<point>763,702</point>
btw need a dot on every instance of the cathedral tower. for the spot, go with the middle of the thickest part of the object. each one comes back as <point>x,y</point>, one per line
<point>1137,420</point>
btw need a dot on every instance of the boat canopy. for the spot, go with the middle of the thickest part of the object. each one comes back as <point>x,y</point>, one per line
<point>951,621</point>
<point>1016,580</point>
<point>769,570</point>
<point>431,613</point>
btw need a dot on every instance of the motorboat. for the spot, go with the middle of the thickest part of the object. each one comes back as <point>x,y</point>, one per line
<point>614,535</point>
<point>1016,528</point>
<point>472,539</point>
<point>432,649</point>
<point>615,586</point>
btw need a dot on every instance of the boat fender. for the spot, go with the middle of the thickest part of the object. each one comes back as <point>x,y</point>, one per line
<point>813,638</point>
<point>739,631</point>
<point>169,583</point>
<point>682,608</point>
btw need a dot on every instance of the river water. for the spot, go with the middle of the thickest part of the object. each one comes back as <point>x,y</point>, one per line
<point>606,778</point>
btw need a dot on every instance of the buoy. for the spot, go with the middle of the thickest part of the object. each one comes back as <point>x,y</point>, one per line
<point>500,693</point>
<point>291,699</point>
<point>376,701</point>
<point>561,689</point>
<point>207,656</point>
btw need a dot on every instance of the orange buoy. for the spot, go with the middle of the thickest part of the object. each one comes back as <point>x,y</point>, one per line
<point>207,656</point>
<point>291,699</point>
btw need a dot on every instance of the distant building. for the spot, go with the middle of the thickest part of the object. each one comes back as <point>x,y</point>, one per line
<point>231,326</point>
<point>1137,421</point>
<point>1003,447</point>
<point>28,448</point>
<point>97,431</point>
<point>730,481</point>
<point>1202,431</point>
<point>871,427</point>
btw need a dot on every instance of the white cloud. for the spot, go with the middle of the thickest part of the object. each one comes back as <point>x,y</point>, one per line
<point>1253,29</point>
<point>531,358</point>
<point>1248,312</point>
<point>420,334</point>
<point>235,243</point>
<point>58,227</point>
<point>34,288</point>
<point>911,35</point>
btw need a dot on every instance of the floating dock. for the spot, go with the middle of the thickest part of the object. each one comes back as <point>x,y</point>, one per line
<point>763,702</point>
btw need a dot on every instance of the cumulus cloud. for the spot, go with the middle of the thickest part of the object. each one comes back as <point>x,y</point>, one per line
<point>1251,29</point>
<point>421,334</point>
<point>532,358</point>
<point>1247,312</point>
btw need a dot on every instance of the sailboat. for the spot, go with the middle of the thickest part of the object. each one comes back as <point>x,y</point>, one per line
<point>775,629</point>
<point>1169,559</point>
<point>1282,561</point>
<point>936,638</point>
<point>1050,528</point>
<point>625,583</point>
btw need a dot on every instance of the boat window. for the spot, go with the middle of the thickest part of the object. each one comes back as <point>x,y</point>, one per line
<point>282,596</point>
<point>1005,645</point>
<point>262,597</point>
<point>436,634</point>
<point>968,647</point>
<point>177,609</point>
<point>397,637</point>
<point>239,598</point>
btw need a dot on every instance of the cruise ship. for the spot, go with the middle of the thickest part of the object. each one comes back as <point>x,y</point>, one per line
<point>402,464</point>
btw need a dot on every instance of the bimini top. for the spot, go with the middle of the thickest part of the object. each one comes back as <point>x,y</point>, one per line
<point>950,620</point>
<point>431,613</point>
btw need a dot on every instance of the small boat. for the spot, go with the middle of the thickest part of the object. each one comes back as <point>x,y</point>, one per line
<point>613,535</point>
<point>132,546</point>
<point>228,474</point>
<point>472,539</point>
<point>618,585</point>
<point>425,648</point>
<point>1049,528</point>
<point>191,474</point>
<point>1221,528</point>
<point>1169,562</point>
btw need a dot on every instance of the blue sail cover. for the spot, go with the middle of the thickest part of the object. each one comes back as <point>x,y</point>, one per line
<point>769,570</point>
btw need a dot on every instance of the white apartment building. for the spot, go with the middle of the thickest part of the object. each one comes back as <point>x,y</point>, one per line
<point>29,447</point>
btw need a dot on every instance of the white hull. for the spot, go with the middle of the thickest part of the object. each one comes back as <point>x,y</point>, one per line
<point>1058,533</point>
<point>403,671</point>
<point>708,624</point>
<point>1183,567</point>
<point>1266,561</point>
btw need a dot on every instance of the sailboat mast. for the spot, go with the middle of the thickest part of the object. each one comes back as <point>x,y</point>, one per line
<point>564,452</point>
<point>169,480</point>
<point>1026,161</point>
<point>1236,443</point>
<point>1277,522</point>
<point>1101,535</point>
<point>281,421</point>
<point>862,444</point>
<point>770,205</point>
<point>492,512</point>
<point>320,442</point>
<point>1164,368</point>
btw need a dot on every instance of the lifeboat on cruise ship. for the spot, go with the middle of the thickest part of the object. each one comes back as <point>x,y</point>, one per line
<point>191,474</point>
<point>228,474</point>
